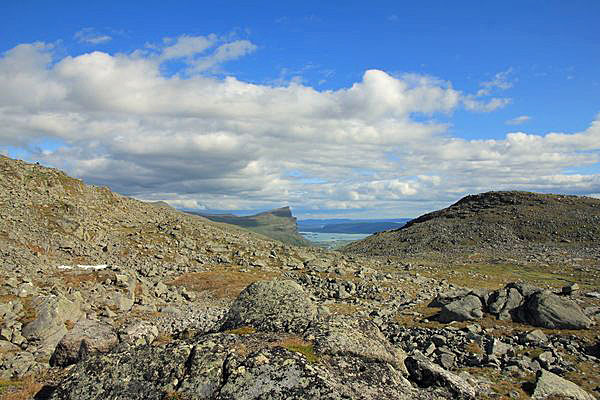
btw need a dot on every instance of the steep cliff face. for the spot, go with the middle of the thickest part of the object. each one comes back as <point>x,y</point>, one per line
<point>278,224</point>
<point>502,220</point>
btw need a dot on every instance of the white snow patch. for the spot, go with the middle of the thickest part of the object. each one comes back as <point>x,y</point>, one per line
<point>94,267</point>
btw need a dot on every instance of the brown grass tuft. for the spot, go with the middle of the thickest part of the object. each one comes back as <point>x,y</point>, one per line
<point>23,389</point>
<point>299,345</point>
<point>222,283</point>
<point>244,330</point>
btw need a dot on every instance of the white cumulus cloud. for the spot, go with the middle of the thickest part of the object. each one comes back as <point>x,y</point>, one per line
<point>197,140</point>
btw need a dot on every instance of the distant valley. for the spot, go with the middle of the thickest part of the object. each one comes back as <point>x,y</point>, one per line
<point>368,226</point>
<point>335,233</point>
<point>281,225</point>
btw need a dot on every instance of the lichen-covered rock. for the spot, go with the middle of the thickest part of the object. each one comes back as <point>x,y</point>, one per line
<point>86,337</point>
<point>547,310</point>
<point>139,333</point>
<point>135,374</point>
<point>549,385</point>
<point>276,306</point>
<point>343,336</point>
<point>227,366</point>
<point>426,374</point>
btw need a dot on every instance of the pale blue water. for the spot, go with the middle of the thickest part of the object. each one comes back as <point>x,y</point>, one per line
<point>332,240</point>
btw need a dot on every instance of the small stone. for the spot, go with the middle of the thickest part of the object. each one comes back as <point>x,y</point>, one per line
<point>498,348</point>
<point>536,336</point>
<point>546,359</point>
<point>448,361</point>
<point>570,289</point>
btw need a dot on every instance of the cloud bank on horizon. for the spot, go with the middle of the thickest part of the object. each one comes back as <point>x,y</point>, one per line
<point>203,138</point>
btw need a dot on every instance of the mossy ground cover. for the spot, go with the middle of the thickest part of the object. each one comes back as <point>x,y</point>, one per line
<point>302,347</point>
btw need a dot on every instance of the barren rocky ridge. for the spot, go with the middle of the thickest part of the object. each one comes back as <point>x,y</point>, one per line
<point>495,220</point>
<point>103,296</point>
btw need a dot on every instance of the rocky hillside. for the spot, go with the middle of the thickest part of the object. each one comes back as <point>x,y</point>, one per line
<point>47,217</point>
<point>278,224</point>
<point>102,296</point>
<point>494,220</point>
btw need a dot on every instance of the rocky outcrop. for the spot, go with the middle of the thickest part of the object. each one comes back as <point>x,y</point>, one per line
<point>516,301</point>
<point>278,224</point>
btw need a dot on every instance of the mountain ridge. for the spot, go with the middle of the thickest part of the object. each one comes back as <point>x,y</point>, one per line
<point>502,220</point>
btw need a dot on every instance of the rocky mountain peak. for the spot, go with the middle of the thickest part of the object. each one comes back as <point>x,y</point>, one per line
<point>494,219</point>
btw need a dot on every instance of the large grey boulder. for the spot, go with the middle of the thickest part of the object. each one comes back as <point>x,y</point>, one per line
<point>425,373</point>
<point>275,306</point>
<point>344,336</point>
<point>549,385</point>
<point>465,309</point>
<point>518,302</point>
<point>48,328</point>
<point>547,310</point>
<point>448,297</point>
<point>87,337</point>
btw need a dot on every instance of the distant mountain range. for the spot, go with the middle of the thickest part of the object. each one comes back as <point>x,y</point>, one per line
<point>368,226</point>
<point>278,224</point>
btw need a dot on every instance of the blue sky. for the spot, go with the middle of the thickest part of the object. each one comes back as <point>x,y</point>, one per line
<point>335,108</point>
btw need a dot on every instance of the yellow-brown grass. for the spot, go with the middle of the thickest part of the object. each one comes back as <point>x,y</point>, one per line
<point>23,389</point>
<point>300,346</point>
<point>222,283</point>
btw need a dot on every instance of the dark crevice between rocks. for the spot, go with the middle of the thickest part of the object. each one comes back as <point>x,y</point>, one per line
<point>224,375</point>
<point>187,368</point>
<point>45,392</point>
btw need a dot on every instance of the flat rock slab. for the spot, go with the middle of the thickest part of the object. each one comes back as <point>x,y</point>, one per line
<point>339,336</point>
